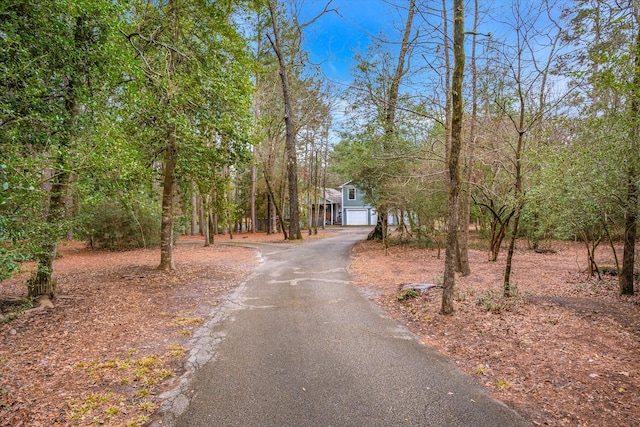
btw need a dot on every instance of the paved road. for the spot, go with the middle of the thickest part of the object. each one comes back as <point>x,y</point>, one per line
<point>298,346</point>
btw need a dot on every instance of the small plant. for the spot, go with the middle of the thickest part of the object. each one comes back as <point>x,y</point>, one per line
<point>108,408</point>
<point>481,370</point>
<point>110,364</point>
<point>496,302</point>
<point>502,384</point>
<point>176,350</point>
<point>112,411</point>
<point>162,374</point>
<point>147,406</point>
<point>186,333</point>
<point>14,312</point>
<point>148,361</point>
<point>96,399</point>
<point>140,373</point>
<point>186,321</point>
<point>149,381</point>
<point>139,422</point>
<point>94,376</point>
<point>144,392</point>
<point>90,402</point>
<point>607,270</point>
<point>406,294</point>
<point>460,296</point>
<point>491,301</point>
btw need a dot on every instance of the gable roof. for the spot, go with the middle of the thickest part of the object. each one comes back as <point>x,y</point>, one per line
<point>333,195</point>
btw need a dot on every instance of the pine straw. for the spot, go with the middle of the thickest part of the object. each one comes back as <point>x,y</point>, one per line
<point>564,352</point>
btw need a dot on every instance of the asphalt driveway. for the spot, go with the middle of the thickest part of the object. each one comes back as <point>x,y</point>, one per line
<point>297,345</point>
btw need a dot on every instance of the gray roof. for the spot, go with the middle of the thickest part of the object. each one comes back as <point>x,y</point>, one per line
<point>333,195</point>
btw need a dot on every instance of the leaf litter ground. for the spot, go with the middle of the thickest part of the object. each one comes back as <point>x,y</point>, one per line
<point>564,352</point>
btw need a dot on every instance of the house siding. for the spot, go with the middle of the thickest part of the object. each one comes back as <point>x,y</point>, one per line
<point>356,207</point>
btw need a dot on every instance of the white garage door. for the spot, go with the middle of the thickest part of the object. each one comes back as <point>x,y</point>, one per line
<point>357,217</point>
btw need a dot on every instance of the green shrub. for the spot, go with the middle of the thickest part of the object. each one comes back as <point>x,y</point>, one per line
<point>113,225</point>
<point>495,302</point>
<point>406,294</point>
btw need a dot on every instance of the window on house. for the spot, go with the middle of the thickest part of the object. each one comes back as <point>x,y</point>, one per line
<point>352,193</point>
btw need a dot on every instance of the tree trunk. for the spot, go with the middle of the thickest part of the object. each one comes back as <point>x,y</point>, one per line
<point>591,245</point>
<point>447,78</point>
<point>268,224</point>
<point>507,291</point>
<point>71,207</point>
<point>316,202</point>
<point>207,222</point>
<point>212,226</point>
<point>380,230</point>
<point>274,218</point>
<point>465,215</point>
<point>231,222</point>
<point>630,232</point>
<point>254,187</point>
<point>194,209</point>
<point>275,205</point>
<point>499,230</point>
<point>516,217</point>
<point>170,157</point>
<point>290,142</point>
<point>324,183</point>
<point>308,184</point>
<point>454,156</point>
<point>41,283</point>
<point>200,216</point>
<point>631,203</point>
<point>216,228</point>
<point>168,193</point>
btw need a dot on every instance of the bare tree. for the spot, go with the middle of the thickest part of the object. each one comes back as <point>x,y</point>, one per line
<point>530,75</point>
<point>290,141</point>
<point>389,119</point>
<point>463,266</point>
<point>289,115</point>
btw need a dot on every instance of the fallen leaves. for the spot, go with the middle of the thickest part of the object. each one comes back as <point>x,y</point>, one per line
<point>534,352</point>
<point>116,336</point>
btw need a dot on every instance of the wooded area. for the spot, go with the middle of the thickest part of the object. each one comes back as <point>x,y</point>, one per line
<point>126,124</point>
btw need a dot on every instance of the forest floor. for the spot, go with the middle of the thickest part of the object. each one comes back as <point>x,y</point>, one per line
<point>564,352</point>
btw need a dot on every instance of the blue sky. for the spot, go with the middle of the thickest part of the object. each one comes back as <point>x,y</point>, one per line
<point>333,39</point>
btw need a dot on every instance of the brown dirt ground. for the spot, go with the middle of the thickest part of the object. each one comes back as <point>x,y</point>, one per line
<point>563,353</point>
<point>119,332</point>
